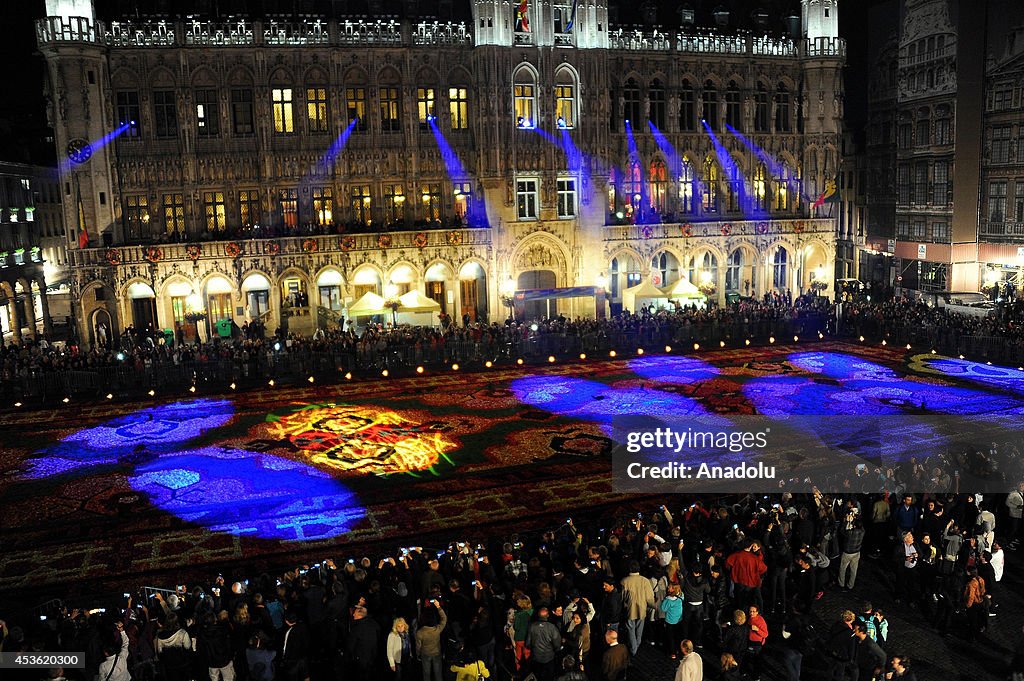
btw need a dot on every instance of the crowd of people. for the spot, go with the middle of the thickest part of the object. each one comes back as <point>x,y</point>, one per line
<point>146,348</point>
<point>875,318</point>
<point>726,589</point>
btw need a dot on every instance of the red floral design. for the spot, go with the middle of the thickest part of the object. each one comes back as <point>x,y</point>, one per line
<point>419,240</point>
<point>310,246</point>
<point>154,253</point>
<point>348,243</point>
<point>232,250</point>
<point>272,248</point>
<point>193,251</point>
<point>113,256</point>
<point>384,241</point>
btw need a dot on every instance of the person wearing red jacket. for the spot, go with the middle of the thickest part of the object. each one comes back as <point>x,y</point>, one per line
<point>746,569</point>
<point>758,636</point>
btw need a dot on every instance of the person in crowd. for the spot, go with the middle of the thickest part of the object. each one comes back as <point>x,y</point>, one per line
<point>869,656</point>
<point>638,599</point>
<point>691,667</point>
<point>616,658</point>
<point>432,622</point>
<point>114,666</point>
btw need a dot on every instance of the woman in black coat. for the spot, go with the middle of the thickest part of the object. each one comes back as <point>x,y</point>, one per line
<point>737,636</point>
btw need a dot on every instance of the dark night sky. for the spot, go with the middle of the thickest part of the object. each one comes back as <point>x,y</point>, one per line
<point>22,116</point>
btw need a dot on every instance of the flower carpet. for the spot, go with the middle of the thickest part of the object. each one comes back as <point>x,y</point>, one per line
<point>100,493</point>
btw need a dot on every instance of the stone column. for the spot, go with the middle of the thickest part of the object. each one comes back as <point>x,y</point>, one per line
<point>45,305</point>
<point>30,313</point>
<point>12,313</point>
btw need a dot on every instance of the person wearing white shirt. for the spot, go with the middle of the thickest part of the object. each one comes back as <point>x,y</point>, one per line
<point>691,667</point>
<point>998,561</point>
<point>115,663</point>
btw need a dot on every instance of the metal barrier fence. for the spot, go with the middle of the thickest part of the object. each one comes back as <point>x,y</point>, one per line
<point>295,365</point>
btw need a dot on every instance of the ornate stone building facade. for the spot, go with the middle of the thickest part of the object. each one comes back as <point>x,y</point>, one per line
<point>279,169</point>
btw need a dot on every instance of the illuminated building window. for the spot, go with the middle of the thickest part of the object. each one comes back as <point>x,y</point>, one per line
<point>709,197</point>
<point>215,210</point>
<point>284,121</point>
<point>458,107</point>
<point>355,98</point>
<point>424,106</point>
<point>323,205</point>
<point>759,185</point>
<point>136,214</point>
<point>657,187</point>
<point>526,199</point>
<point>390,120</point>
<point>782,189</point>
<point>174,213</point>
<point>207,118</point>
<point>394,204</point>
<point>249,207</point>
<point>686,186</point>
<point>566,197</point>
<point>359,201</point>
<point>316,109</point>
<point>430,197</point>
<point>463,198</point>
<point>288,207</point>
<point>565,106</point>
<point>524,95</point>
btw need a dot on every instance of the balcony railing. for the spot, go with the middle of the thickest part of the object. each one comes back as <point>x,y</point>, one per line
<point>279,247</point>
<point>722,228</point>
<point>1002,230</point>
<point>244,32</point>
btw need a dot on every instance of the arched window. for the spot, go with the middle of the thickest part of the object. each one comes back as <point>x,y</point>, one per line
<point>762,109</point>
<point>780,269</point>
<point>758,186</point>
<point>631,103</point>
<point>733,270</point>
<point>687,108</point>
<point>633,190</point>
<point>656,98</point>
<point>735,188</point>
<point>710,100</point>
<point>709,196</point>
<point>703,269</point>
<point>565,98</point>
<point>782,188</point>
<point>733,110</point>
<point>657,187</point>
<point>686,186</point>
<point>782,117</point>
<point>614,278</point>
<point>525,95</point>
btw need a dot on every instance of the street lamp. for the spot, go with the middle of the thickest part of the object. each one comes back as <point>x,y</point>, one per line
<point>601,281</point>
<point>194,311</point>
<point>507,291</point>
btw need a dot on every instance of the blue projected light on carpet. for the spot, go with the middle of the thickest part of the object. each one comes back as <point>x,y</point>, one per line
<point>1000,377</point>
<point>597,402</point>
<point>249,494</point>
<point>158,428</point>
<point>674,370</point>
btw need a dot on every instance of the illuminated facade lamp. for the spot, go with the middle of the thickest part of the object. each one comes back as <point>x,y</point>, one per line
<point>601,281</point>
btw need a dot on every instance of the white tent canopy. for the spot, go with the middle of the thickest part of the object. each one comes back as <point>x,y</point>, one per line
<point>369,304</point>
<point>682,289</point>
<point>642,294</point>
<point>414,301</point>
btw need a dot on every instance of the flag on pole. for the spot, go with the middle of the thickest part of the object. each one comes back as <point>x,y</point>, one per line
<point>83,231</point>
<point>830,195</point>
<point>522,20</point>
<point>572,17</point>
